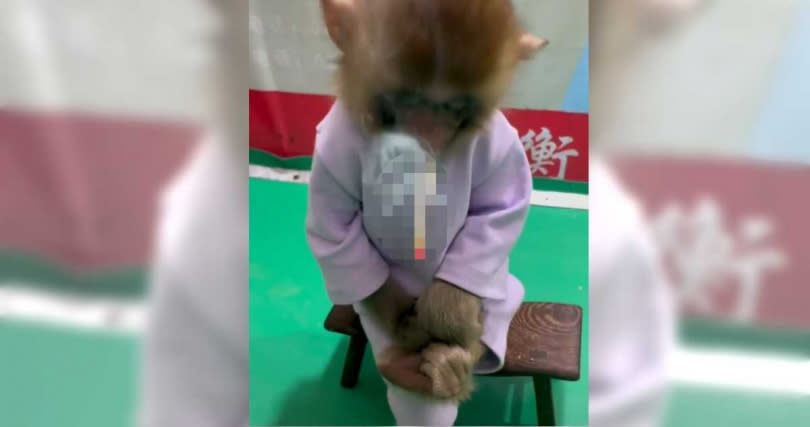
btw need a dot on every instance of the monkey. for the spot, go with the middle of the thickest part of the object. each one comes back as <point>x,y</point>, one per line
<point>434,70</point>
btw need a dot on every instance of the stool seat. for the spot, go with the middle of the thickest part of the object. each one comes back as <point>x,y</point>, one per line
<point>343,320</point>
<point>544,338</point>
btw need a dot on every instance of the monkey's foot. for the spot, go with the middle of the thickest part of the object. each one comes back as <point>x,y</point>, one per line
<point>450,371</point>
<point>402,368</point>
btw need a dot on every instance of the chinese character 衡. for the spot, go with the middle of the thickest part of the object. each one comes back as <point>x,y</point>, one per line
<point>543,151</point>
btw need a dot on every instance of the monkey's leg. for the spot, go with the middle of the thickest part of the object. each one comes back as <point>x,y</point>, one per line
<point>409,391</point>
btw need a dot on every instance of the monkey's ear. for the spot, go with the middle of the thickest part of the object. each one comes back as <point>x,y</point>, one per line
<point>529,45</point>
<point>338,16</point>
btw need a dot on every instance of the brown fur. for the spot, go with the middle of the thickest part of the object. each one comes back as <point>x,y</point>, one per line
<point>469,46</point>
<point>446,326</point>
<point>453,319</point>
<point>450,314</point>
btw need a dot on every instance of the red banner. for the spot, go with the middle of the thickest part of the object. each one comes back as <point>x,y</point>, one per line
<point>733,235</point>
<point>556,143</point>
<point>83,189</point>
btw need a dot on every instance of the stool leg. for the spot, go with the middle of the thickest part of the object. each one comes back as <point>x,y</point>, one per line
<point>354,360</point>
<point>544,401</point>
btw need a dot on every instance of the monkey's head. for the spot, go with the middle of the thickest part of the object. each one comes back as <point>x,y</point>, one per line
<point>435,69</point>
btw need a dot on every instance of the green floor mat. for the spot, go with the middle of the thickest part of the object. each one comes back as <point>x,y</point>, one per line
<point>703,407</point>
<point>55,376</point>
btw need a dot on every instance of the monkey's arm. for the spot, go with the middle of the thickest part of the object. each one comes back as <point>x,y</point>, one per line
<point>476,263</point>
<point>351,266</point>
<point>353,270</point>
<point>477,259</point>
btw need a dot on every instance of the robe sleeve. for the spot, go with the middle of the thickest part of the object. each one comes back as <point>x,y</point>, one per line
<point>351,266</point>
<point>477,258</point>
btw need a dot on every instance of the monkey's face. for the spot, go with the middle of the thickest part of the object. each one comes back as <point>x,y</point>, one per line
<point>435,69</point>
<point>433,119</point>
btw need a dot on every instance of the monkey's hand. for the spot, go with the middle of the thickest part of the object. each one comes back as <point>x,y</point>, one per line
<point>451,315</point>
<point>450,369</point>
<point>453,319</point>
<point>409,333</point>
<point>440,371</point>
<point>388,305</point>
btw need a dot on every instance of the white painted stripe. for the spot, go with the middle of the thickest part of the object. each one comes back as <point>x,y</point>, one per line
<point>276,174</point>
<point>553,199</point>
<point>21,302</point>
<point>742,370</point>
<point>556,199</point>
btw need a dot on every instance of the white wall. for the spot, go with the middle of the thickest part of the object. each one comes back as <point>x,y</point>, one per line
<point>292,52</point>
<point>140,57</point>
<point>700,91</point>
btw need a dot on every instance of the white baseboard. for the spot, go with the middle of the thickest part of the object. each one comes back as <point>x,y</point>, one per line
<point>31,304</point>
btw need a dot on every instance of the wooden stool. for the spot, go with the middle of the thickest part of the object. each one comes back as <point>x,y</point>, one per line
<point>544,343</point>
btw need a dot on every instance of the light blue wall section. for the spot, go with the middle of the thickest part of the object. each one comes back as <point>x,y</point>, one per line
<point>783,130</point>
<point>576,100</point>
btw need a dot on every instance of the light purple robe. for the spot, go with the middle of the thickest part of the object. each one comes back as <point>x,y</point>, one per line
<point>360,219</point>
